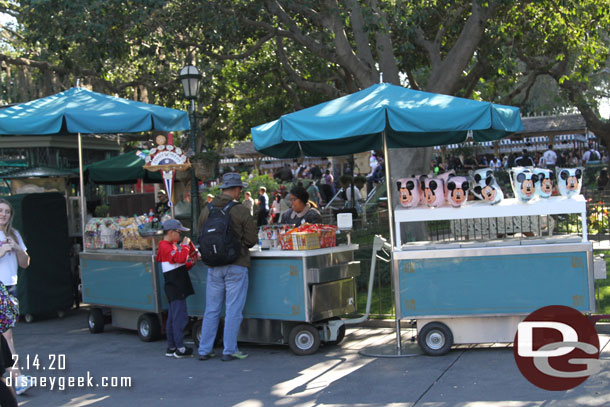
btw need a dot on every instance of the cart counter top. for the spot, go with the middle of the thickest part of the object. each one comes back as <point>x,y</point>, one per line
<point>256,252</point>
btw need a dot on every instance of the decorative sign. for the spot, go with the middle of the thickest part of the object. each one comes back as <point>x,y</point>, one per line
<point>167,159</point>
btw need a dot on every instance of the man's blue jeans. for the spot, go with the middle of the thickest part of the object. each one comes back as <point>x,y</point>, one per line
<point>229,285</point>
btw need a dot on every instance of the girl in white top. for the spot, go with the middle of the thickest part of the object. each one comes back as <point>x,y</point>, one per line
<point>13,254</point>
<point>276,208</point>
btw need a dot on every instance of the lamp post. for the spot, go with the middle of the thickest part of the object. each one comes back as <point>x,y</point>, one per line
<point>190,77</point>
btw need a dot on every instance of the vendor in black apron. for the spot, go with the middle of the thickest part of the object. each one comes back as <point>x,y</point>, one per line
<point>302,210</point>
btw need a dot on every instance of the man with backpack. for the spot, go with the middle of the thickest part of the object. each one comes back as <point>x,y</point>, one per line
<point>591,155</point>
<point>227,233</point>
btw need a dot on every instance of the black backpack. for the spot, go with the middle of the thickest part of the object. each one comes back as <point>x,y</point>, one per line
<point>217,241</point>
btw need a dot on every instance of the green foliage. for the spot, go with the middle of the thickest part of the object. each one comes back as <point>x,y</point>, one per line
<point>102,211</point>
<point>258,181</point>
<point>261,59</point>
<point>604,288</point>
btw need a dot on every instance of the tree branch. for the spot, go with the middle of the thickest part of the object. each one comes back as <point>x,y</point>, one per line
<point>385,50</point>
<point>527,86</point>
<point>361,35</point>
<point>322,87</point>
<point>450,21</point>
<point>296,100</point>
<point>445,78</point>
<point>246,54</point>
<point>432,48</point>
<point>296,34</point>
<point>93,76</point>
<point>412,81</point>
<point>592,117</point>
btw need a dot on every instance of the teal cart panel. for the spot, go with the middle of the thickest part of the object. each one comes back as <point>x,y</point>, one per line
<point>503,284</point>
<point>275,290</point>
<point>126,284</point>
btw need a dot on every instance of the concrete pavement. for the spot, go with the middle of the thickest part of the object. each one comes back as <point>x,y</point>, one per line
<point>481,376</point>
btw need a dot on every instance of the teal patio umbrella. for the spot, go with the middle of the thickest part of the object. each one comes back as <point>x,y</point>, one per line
<point>408,118</point>
<point>80,111</point>
<point>384,116</point>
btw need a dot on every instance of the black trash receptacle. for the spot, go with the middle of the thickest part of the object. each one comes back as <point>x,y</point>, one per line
<point>46,286</point>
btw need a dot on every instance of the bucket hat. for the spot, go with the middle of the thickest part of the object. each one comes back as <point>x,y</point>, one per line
<point>231,180</point>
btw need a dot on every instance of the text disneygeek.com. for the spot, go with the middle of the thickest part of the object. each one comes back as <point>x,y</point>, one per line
<point>67,382</point>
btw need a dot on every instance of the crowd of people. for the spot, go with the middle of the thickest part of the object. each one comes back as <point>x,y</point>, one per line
<point>546,159</point>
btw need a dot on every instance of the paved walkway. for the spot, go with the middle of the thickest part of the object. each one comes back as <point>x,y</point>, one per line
<point>481,376</point>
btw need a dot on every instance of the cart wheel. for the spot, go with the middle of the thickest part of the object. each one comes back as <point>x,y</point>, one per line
<point>95,321</point>
<point>29,318</point>
<point>435,338</point>
<point>149,328</point>
<point>304,339</point>
<point>196,333</point>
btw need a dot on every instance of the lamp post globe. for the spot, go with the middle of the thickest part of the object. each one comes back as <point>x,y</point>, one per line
<point>190,78</point>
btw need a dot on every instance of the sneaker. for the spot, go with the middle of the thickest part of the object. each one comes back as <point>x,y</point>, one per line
<point>236,355</point>
<point>187,353</point>
<point>23,384</point>
<point>170,352</point>
<point>208,356</point>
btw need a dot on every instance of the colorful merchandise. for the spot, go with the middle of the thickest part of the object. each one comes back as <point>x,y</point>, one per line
<point>485,186</point>
<point>544,183</point>
<point>408,190</point>
<point>523,181</point>
<point>103,233</point>
<point>458,190</point>
<point>569,181</point>
<point>433,190</point>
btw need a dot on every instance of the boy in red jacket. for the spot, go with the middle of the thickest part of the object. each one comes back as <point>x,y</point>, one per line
<point>175,262</point>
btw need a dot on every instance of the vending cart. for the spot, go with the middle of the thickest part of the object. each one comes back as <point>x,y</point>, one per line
<point>295,297</point>
<point>124,288</point>
<point>500,263</point>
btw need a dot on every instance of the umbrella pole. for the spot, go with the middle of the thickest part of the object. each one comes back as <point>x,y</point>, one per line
<point>83,205</point>
<point>389,350</point>
<point>388,182</point>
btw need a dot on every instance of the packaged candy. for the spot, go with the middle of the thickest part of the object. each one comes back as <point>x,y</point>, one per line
<point>485,186</point>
